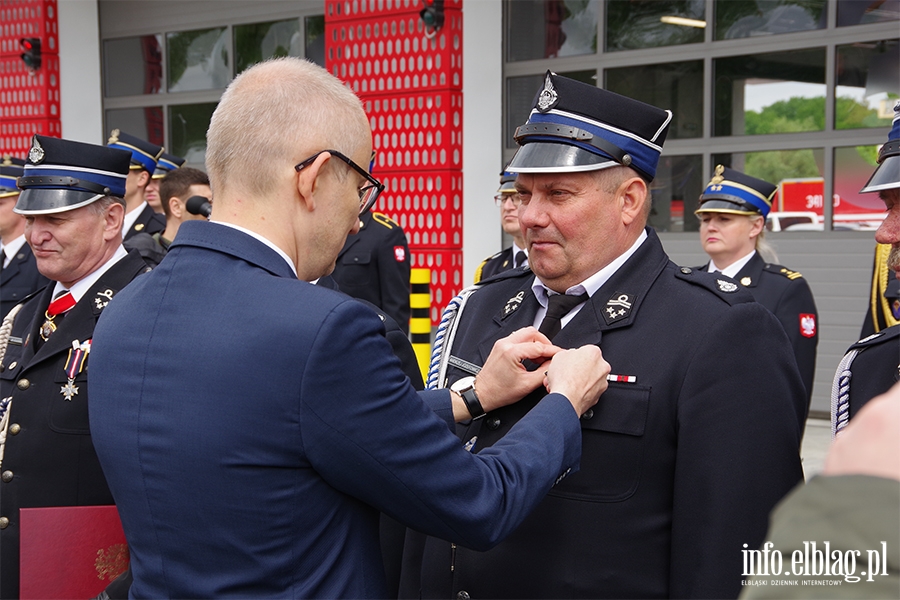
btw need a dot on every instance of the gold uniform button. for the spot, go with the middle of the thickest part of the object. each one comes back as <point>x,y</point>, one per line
<point>4,522</point>
<point>14,429</point>
<point>7,476</point>
<point>23,384</point>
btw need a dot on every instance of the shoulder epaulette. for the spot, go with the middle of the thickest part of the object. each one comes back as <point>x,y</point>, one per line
<point>877,338</point>
<point>384,220</point>
<point>771,268</point>
<point>723,287</point>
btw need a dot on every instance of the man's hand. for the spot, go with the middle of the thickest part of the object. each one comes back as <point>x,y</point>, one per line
<point>870,445</point>
<point>579,375</point>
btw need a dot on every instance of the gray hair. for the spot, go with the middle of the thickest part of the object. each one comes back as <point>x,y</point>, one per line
<point>274,115</point>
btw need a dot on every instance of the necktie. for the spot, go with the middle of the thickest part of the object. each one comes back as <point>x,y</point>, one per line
<point>558,306</point>
<point>62,303</point>
<point>520,259</point>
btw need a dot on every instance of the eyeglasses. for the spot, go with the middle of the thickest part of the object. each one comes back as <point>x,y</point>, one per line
<point>368,193</point>
<point>515,198</point>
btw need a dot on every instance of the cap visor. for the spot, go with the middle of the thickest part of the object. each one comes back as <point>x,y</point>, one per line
<point>546,157</point>
<point>885,177</point>
<point>46,202</point>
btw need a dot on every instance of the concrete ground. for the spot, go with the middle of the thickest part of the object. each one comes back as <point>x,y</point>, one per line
<point>815,445</point>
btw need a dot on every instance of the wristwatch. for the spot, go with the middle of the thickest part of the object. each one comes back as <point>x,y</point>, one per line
<point>465,387</point>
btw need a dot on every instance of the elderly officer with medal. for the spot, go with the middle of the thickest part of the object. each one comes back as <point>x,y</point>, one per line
<point>870,366</point>
<point>697,436</point>
<point>72,201</point>
<point>732,212</point>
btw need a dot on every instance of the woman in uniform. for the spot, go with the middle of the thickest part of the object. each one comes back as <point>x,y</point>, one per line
<point>732,213</point>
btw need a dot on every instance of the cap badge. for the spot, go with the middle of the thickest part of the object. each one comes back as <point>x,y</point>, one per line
<point>548,97</point>
<point>745,281</point>
<point>7,160</point>
<point>513,304</point>
<point>113,136</point>
<point>36,154</point>
<point>719,177</point>
<point>618,307</point>
<point>726,286</point>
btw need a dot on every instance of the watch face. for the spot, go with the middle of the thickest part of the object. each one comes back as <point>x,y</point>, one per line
<point>462,384</point>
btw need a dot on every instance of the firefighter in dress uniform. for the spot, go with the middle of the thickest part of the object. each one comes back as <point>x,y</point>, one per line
<point>72,200</point>
<point>515,256</point>
<point>733,211</point>
<point>139,215</point>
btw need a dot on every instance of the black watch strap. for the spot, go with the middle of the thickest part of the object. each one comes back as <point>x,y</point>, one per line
<point>472,403</point>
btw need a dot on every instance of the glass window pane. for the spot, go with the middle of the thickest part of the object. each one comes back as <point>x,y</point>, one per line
<point>634,24</point>
<point>674,192</point>
<point>520,93</point>
<point>261,41</point>
<point>781,92</point>
<point>852,168</point>
<point>145,123</point>
<point>551,28</point>
<point>860,12</point>
<point>198,60</point>
<point>187,126</point>
<point>868,82</point>
<point>674,86</point>
<point>754,18</point>
<point>798,203</point>
<point>132,66</point>
<point>315,39</point>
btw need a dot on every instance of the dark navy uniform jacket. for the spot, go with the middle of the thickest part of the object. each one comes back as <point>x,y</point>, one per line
<point>492,265</point>
<point>374,265</point>
<point>787,295</point>
<point>253,461</point>
<point>48,444</point>
<point>147,222</point>
<point>876,368</point>
<point>679,469</point>
<point>18,279</point>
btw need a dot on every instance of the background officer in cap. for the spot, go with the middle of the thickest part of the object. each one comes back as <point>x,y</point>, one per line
<point>165,165</point>
<point>732,212</point>
<point>516,255</point>
<point>139,216</point>
<point>72,201</point>
<point>698,434</point>
<point>19,275</point>
<point>374,265</point>
<point>872,365</point>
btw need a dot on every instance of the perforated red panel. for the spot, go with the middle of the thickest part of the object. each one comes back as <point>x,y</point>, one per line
<point>410,82</point>
<point>29,101</point>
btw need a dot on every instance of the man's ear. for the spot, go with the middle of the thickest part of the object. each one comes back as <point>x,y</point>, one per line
<point>113,217</point>
<point>309,181</point>
<point>143,179</point>
<point>634,195</point>
<point>176,207</point>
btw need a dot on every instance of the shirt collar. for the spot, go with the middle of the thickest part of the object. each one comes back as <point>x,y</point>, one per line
<point>81,287</point>
<point>734,268</point>
<point>132,216</point>
<point>12,248</point>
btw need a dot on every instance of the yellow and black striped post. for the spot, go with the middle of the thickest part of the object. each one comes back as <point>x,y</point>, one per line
<point>420,320</point>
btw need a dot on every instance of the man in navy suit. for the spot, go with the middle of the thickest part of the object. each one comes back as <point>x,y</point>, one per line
<point>252,425</point>
<point>19,275</point>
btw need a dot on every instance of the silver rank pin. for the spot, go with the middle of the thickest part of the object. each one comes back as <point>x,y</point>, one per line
<point>513,304</point>
<point>618,307</point>
<point>103,298</point>
<point>726,286</point>
<point>548,97</point>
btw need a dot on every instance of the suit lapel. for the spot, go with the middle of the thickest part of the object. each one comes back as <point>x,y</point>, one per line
<point>516,312</point>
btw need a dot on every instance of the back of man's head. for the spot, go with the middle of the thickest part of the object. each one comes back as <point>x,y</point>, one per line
<point>177,184</point>
<point>274,115</point>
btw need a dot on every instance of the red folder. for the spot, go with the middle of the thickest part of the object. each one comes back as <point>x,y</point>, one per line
<point>70,551</point>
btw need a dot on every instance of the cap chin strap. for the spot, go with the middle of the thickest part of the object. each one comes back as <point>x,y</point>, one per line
<point>572,133</point>
<point>70,182</point>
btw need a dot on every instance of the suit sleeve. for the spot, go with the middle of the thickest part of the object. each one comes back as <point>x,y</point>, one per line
<point>738,438</point>
<point>372,437</point>
<point>797,301</point>
<point>394,276</point>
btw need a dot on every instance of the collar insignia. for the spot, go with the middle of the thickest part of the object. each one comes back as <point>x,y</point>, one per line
<point>103,298</point>
<point>548,98</point>
<point>36,154</point>
<point>726,286</point>
<point>618,307</point>
<point>513,304</point>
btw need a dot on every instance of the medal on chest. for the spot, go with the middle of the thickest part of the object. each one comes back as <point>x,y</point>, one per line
<point>75,364</point>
